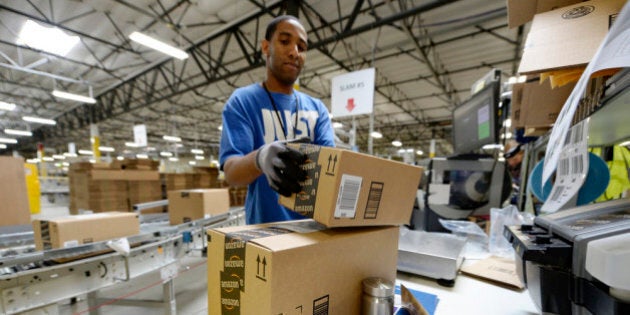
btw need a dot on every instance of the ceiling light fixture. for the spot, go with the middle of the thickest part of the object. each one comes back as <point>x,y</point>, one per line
<point>106,149</point>
<point>85,152</point>
<point>196,151</point>
<point>397,143</point>
<point>132,145</point>
<point>142,156</point>
<point>172,138</point>
<point>166,154</point>
<point>38,120</point>
<point>50,39</point>
<point>376,135</point>
<point>158,45</point>
<point>336,125</point>
<point>7,106</point>
<point>74,97</point>
<point>3,146</point>
<point>18,132</point>
<point>199,157</point>
<point>8,140</point>
<point>192,162</point>
<point>173,159</point>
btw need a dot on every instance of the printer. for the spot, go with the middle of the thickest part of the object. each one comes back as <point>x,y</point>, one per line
<point>576,261</point>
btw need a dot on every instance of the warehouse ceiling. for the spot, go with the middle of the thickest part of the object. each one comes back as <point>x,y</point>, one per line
<point>427,54</point>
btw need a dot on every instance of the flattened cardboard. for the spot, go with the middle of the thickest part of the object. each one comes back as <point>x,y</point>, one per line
<point>569,36</point>
<point>82,229</point>
<point>295,267</point>
<point>14,208</point>
<point>346,188</point>
<point>522,11</point>
<point>193,204</point>
<point>496,269</point>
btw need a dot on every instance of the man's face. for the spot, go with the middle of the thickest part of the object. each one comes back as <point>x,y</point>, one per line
<point>286,51</point>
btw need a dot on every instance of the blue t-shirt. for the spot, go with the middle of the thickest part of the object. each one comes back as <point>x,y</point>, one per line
<point>250,121</point>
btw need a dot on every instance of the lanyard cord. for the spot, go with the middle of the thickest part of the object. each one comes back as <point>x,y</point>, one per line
<point>275,108</point>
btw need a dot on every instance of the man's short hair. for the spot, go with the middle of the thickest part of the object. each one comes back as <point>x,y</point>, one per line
<point>271,27</point>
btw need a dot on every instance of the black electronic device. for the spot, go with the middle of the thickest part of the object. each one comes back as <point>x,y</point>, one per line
<point>476,122</point>
<point>575,261</point>
<point>459,187</point>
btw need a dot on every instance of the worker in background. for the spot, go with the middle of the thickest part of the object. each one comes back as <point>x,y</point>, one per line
<point>513,160</point>
<point>259,119</point>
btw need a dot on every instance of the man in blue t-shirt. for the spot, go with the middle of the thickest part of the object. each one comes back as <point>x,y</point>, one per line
<point>260,118</point>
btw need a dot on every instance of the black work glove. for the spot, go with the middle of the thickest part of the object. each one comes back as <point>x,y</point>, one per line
<point>281,166</point>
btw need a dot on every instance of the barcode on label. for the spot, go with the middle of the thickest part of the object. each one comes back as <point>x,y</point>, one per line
<point>374,200</point>
<point>348,196</point>
<point>557,193</point>
<point>577,133</point>
<point>564,167</point>
<point>577,165</point>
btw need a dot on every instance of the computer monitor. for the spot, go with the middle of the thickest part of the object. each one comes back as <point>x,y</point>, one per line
<point>476,121</point>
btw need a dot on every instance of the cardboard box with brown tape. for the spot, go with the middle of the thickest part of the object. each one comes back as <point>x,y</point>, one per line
<point>14,208</point>
<point>346,188</point>
<point>296,267</point>
<point>74,230</point>
<point>536,104</point>
<point>193,204</point>
<point>568,36</point>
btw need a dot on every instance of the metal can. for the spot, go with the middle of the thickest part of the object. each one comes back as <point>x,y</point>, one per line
<point>378,297</point>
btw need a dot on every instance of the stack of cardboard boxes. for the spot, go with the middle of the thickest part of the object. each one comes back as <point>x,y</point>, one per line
<point>101,187</point>
<point>14,205</point>
<point>564,36</point>
<point>315,266</point>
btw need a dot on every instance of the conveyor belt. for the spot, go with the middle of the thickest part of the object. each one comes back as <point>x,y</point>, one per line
<point>32,279</point>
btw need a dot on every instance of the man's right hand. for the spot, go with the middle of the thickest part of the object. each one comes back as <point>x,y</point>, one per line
<point>281,166</point>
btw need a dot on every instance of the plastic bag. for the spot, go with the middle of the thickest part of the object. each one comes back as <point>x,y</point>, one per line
<point>477,240</point>
<point>499,218</point>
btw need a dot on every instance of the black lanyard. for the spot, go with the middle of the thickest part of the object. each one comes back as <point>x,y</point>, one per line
<point>275,108</point>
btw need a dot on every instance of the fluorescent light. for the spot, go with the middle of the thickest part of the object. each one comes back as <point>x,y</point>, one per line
<point>8,140</point>
<point>199,157</point>
<point>166,154</point>
<point>419,152</point>
<point>158,45</point>
<point>66,164</point>
<point>396,143</point>
<point>196,151</point>
<point>48,159</point>
<point>32,161</point>
<point>151,148</point>
<point>3,146</point>
<point>50,39</point>
<point>401,151</point>
<point>494,146</point>
<point>172,138</point>
<point>376,135</point>
<point>92,161</point>
<point>73,97</point>
<point>7,106</point>
<point>106,149</point>
<point>192,162</point>
<point>337,125</point>
<point>624,144</point>
<point>507,123</point>
<point>58,157</point>
<point>86,152</point>
<point>120,158</point>
<point>142,156</point>
<point>173,159</point>
<point>18,132</point>
<point>132,145</point>
<point>220,127</point>
<point>39,120</point>
<point>68,154</point>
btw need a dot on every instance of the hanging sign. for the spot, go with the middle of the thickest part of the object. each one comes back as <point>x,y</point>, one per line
<point>353,93</point>
<point>140,135</point>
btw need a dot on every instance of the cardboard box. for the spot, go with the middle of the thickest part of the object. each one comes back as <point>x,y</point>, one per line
<point>81,229</point>
<point>14,208</point>
<point>296,267</point>
<point>346,188</point>
<point>567,37</point>
<point>522,11</point>
<point>537,105</point>
<point>193,204</point>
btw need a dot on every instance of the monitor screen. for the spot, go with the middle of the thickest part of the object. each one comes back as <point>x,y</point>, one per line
<point>475,122</point>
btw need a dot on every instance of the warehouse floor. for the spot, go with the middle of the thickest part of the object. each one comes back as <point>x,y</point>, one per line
<point>190,285</point>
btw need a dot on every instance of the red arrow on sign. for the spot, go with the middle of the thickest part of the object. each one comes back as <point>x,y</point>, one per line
<point>350,106</point>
